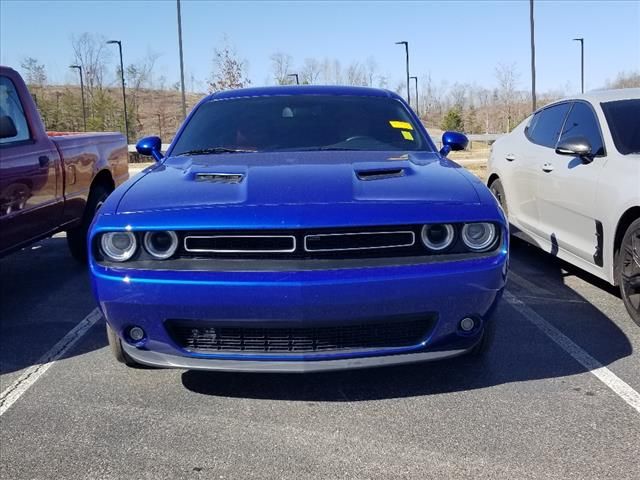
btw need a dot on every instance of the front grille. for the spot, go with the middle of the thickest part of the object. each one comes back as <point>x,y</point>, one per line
<point>240,243</point>
<point>323,243</point>
<point>341,242</point>
<point>199,337</point>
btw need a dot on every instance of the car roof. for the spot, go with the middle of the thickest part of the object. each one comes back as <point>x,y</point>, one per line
<point>598,96</point>
<point>303,90</point>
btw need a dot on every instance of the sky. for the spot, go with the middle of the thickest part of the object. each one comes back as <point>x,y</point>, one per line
<point>453,42</point>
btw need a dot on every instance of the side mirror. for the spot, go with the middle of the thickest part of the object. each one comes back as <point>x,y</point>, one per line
<point>7,127</point>
<point>577,146</point>
<point>453,141</point>
<point>150,147</point>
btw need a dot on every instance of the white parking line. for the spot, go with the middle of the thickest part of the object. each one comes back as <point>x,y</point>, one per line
<point>602,373</point>
<point>11,394</point>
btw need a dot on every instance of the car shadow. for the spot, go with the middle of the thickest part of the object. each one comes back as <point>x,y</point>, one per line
<point>44,293</point>
<point>520,353</point>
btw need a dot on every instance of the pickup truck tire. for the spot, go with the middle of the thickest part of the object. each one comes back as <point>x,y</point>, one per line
<point>116,348</point>
<point>628,270</point>
<point>77,238</point>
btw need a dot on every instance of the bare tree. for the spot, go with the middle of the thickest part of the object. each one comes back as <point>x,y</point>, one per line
<point>34,72</point>
<point>625,80</point>
<point>311,70</point>
<point>507,76</point>
<point>139,76</point>
<point>371,70</point>
<point>484,99</point>
<point>90,53</point>
<point>162,82</point>
<point>281,67</point>
<point>229,70</point>
<point>458,95</point>
<point>355,74</point>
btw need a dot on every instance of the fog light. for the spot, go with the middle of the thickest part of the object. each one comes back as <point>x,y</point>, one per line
<point>136,334</point>
<point>467,324</point>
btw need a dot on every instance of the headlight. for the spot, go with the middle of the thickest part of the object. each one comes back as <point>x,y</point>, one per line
<point>118,246</point>
<point>161,245</point>
<point>479,236</point>
<point>438,236</point>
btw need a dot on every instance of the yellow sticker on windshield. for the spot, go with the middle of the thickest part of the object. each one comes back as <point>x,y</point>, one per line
<point>399,124</point>
<point>407,135</point>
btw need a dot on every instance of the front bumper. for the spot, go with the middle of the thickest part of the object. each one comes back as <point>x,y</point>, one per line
<point>448,290</point>
<point>163,360</point>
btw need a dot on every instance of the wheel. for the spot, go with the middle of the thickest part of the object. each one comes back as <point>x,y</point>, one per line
<point>77,238</point>
<point>628,270</point>
<point>498,191</point>
<point>485,343</point>
<point>116,348</point>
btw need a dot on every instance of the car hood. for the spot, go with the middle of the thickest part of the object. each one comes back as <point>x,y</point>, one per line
<point>298,178</point>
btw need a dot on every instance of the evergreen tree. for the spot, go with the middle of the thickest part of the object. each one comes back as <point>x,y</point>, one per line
<point>453,120</point>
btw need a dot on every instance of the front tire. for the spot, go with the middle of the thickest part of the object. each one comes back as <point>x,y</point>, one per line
<point>628,270</point>
<point>116,348</point>
<point>498,191</point>
<point>77,237</point>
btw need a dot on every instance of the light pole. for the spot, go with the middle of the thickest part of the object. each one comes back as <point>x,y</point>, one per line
<point>533,58</point>
<point>184,101</point>
<point>581,40</point>
<point>406,49</point>
<point>417,101</point>
<point>84,112</point>
<point>124,96</point>
<point>294,75</point>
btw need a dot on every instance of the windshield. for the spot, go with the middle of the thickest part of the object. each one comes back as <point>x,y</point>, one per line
<point>623,119</point>
<point>298,123</point>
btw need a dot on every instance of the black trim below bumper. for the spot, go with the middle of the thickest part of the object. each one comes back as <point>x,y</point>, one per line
<point>162,360</point>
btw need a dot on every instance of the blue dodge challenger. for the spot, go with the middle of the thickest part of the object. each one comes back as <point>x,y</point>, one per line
<point>297,229</point>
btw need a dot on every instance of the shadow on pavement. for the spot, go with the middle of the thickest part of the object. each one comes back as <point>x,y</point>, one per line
<point>44,293</point>
<point>520,353</point>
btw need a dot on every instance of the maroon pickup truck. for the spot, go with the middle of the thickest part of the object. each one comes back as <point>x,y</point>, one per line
<point>50,182</point>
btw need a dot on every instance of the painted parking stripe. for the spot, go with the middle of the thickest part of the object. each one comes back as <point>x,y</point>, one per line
<point>602,373</point>
<point>11,394</point>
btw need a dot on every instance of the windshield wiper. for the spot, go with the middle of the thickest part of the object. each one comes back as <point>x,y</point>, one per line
<point>214,150</point>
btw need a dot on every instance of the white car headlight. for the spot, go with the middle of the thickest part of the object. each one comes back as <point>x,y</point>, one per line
<point>118,246</point>
<point>161,245</point>
<point>438,236</point>
<point>479,236</point>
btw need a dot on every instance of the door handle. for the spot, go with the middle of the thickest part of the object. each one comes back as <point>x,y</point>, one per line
<point>547,167</point>
<point>43,161</point>
<point>510,157</point>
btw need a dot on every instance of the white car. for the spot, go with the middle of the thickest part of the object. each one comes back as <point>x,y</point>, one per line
<point>569,179</point>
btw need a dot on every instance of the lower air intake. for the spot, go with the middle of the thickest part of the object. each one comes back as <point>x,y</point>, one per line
<point>202,337</point>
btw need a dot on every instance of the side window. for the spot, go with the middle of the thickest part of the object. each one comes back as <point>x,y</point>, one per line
<point>545,125</point>
<point>13,122</point>
<point>582,121</point>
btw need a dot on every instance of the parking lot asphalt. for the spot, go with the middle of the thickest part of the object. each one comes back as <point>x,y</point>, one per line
<point>529,409</point>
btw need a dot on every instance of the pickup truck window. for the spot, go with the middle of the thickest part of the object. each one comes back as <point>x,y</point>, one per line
<point>582,121</point>
<point>300,122</point>
<point>11,107</point>
<point>545,125</point>
<point>622,117</point>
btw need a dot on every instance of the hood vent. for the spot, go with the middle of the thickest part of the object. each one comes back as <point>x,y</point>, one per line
<point>380,174</point>
<point>232,178</point>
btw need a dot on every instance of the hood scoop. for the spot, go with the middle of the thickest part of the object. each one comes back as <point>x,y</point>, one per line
<point>232,178</point>
<point>380,173</point>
